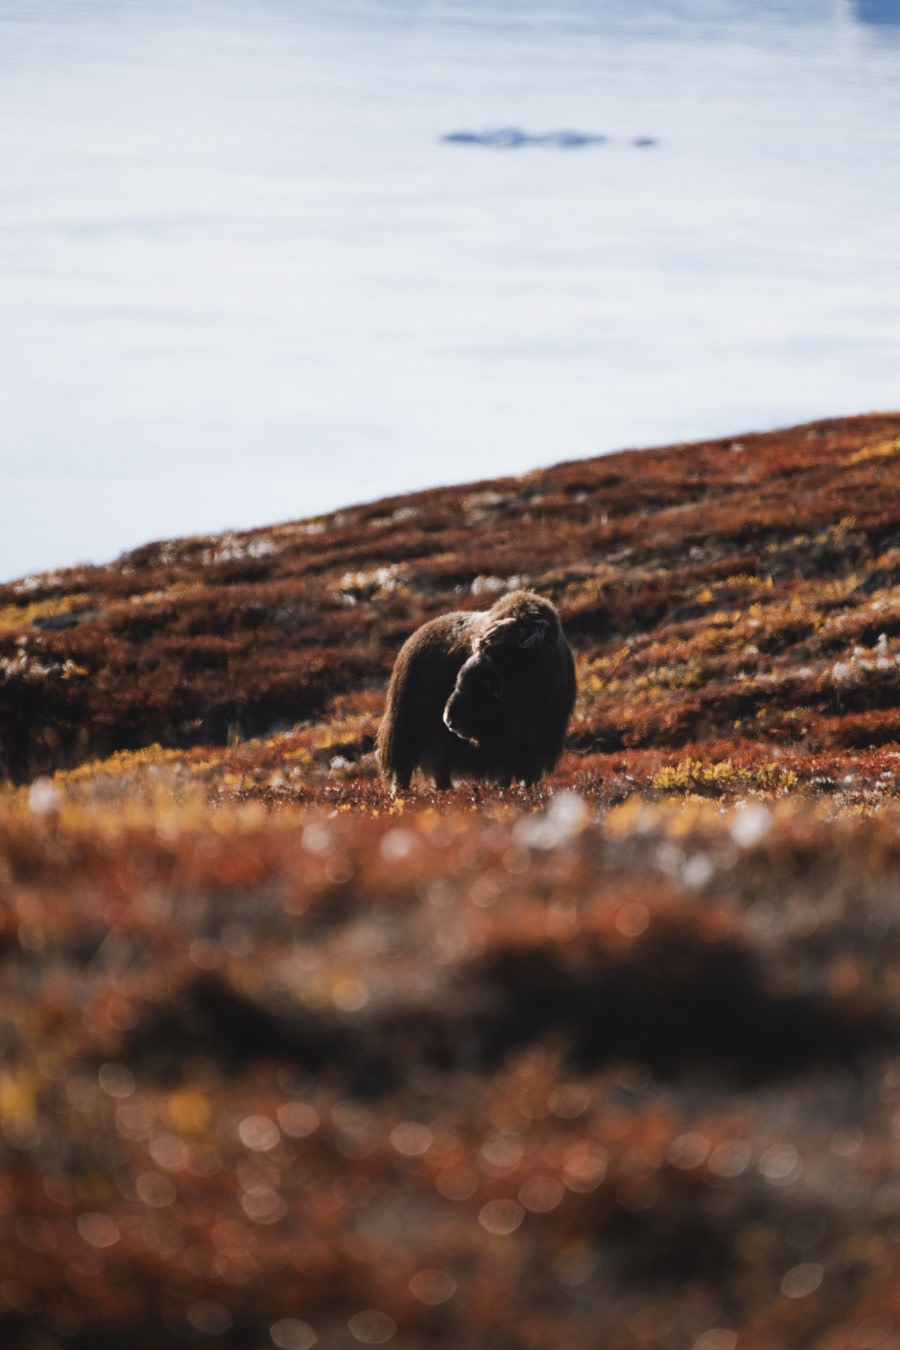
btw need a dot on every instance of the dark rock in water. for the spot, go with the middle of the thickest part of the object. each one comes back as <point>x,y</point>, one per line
<point>510,138</point>
<point>507,138</point>
<point>571,140</point>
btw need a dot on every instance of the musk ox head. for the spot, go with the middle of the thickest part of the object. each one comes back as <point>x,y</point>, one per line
<point>496,662</point>
<point>479,687</point>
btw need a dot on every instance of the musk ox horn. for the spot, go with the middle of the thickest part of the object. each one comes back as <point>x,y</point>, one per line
<point>537,634</point>
<point>480,695</point>
<point>524,635</point>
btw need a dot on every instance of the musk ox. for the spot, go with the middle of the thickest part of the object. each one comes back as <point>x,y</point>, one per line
<point>485,694</point>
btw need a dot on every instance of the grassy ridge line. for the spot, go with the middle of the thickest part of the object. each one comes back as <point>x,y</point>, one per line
<point>736,589</point>
<point>527,1079</point>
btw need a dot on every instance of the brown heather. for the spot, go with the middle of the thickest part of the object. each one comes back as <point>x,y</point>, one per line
<point>604,1065</point>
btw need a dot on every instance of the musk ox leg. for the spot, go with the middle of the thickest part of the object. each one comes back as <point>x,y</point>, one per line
<point>441,778</point>
<point>400,779</point>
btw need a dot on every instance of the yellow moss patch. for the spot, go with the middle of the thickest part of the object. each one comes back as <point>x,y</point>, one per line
<point>15,617</point>
<point>690,775</point>
<point>879,450</point>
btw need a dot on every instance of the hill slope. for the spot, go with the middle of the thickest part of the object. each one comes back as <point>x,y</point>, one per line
<point>740,591</point>
<point>287,1062</point>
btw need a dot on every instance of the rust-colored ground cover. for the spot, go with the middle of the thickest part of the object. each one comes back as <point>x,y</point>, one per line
<point>609,1063</point>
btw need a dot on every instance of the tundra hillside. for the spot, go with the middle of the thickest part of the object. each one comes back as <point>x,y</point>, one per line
<point>611,1061</point>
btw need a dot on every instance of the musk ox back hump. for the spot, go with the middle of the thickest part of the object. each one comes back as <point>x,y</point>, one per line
<point>486,694</point>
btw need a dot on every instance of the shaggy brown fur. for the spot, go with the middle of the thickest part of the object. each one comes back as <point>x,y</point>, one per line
<point>486,694</point>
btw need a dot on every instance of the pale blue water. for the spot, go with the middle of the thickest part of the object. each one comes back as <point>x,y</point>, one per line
<point>242,278</point>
